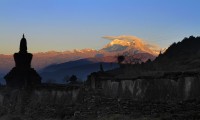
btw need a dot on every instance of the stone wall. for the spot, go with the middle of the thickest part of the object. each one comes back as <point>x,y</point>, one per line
<point>171,86</point>
<point>44,101</point>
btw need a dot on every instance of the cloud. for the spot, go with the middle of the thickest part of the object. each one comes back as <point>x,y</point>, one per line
<point>122,37</point>
<point>131,38</point>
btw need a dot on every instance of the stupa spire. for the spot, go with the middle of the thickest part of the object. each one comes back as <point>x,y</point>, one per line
<point>23,44</point>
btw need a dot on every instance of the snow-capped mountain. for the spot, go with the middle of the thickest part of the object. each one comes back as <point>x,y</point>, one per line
<point>132,44</point>
<point>118,45</point>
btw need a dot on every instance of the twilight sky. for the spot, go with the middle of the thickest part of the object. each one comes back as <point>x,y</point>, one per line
<point>68,24</point>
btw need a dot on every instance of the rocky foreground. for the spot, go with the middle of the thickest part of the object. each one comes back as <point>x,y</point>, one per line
<point>95,106</point>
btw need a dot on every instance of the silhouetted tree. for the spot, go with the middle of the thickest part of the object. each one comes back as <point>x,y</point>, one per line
<point>120,59</point>
<point>101,67</point>
<point>73,78</point>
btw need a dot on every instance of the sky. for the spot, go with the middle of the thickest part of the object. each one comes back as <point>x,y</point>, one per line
<point>61,25</point>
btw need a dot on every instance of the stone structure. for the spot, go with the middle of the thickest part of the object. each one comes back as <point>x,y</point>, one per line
<point>22,75</point>
<point>169,86</point>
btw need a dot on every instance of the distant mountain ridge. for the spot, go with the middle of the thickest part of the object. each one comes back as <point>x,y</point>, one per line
<point>58,73</point>
<point>118,45</point>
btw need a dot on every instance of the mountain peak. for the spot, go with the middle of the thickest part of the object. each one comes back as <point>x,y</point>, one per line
<point>130,43</point>
<point>120,42</point>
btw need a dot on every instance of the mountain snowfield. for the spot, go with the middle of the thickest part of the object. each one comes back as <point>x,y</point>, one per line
<point>130,43</point>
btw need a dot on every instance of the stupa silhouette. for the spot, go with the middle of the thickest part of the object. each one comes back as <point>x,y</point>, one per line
<point>22,75</point>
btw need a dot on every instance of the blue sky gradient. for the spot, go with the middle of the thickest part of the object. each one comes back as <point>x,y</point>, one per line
<point>75,24</point>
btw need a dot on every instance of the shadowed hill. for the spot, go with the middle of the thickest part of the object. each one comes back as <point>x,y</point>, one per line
<point>81,68</point>
<point>184,55</point>
<point>186,48</point>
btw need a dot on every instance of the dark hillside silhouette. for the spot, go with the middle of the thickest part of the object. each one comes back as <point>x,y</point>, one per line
<point>22,75</point>
<point>183,55</point>
<point>187,47</point>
